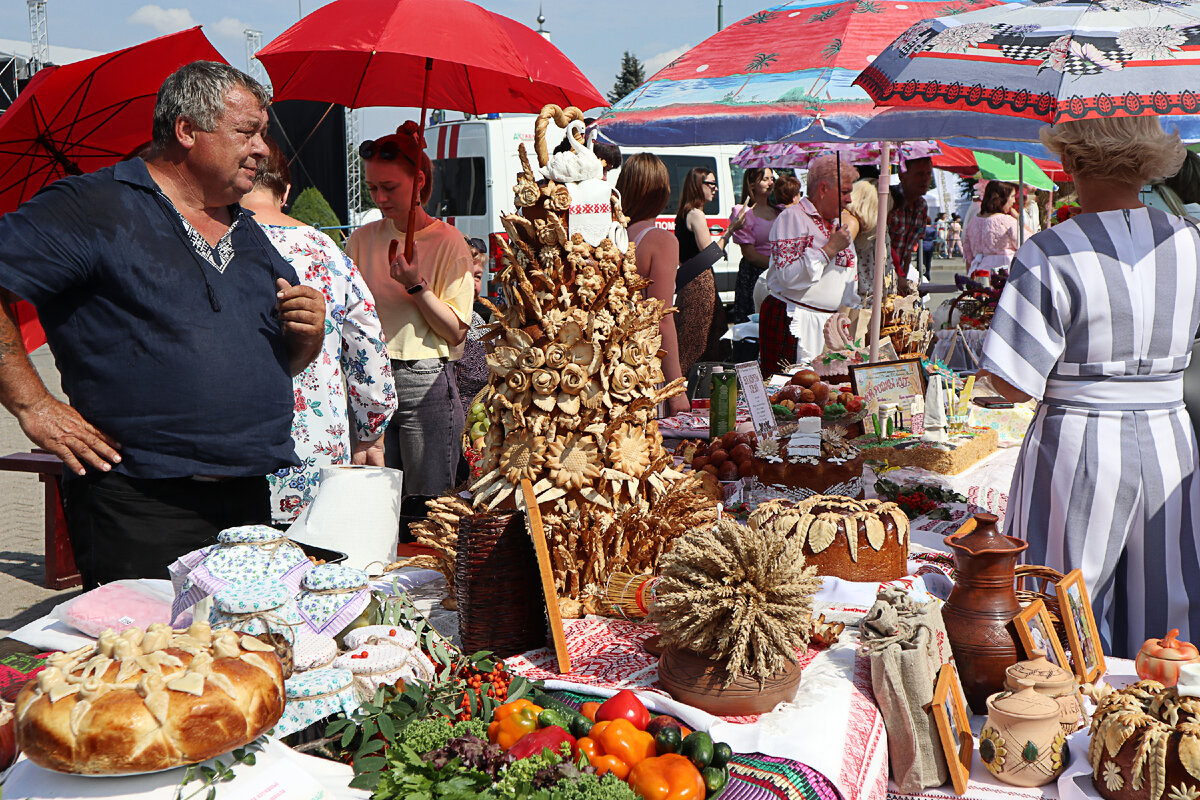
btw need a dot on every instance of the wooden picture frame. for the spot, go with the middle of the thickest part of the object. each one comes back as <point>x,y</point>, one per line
<point>533,515</point>
<point>1035,629</point>
<point>953,727</point>
<point>888,381</point>
<point>1087,657</point>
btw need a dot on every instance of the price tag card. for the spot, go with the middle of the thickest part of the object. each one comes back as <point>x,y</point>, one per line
<point>750,379</point>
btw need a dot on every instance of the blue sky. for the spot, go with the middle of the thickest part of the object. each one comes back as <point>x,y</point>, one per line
<point>592,33</point>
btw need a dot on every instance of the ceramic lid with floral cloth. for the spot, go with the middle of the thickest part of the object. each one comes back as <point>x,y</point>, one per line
<point>313,651</point>
<point>332,596</point>
<point>316,695</point>
<point>397,637</point>
<point>376,665</point>
<point>244,553</point>
<point>1054,682</point>
<point>257,607</point>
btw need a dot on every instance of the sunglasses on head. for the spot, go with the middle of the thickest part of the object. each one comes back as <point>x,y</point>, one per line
<point>385,151</point>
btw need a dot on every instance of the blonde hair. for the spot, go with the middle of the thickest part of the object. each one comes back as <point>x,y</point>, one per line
<point>1124,149</point>
<point>864,205</point>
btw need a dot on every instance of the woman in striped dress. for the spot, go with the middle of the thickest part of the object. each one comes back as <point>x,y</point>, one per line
<point>1096,322</point>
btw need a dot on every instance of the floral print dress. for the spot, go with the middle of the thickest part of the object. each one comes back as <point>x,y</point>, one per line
<point>349,386</point>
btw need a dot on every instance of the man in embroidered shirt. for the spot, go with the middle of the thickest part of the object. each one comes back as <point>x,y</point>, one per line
<point>909,216</point>
<point>176,328</point>
<point>812,269</point>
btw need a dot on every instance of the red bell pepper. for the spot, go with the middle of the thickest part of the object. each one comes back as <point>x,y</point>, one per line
<point>624,705</point>
<point>549,738</point>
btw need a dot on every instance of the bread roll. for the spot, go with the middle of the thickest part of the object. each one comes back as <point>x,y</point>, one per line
<point>147,701</point>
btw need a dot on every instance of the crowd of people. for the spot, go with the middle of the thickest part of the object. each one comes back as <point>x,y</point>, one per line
<point>217,353</point>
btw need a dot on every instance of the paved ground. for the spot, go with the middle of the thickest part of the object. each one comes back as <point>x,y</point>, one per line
<point>22,559</point>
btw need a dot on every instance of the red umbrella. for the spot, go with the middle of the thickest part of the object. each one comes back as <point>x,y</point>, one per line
<point>80,117</point>
<point>359,53</point>
<point>961,161</point>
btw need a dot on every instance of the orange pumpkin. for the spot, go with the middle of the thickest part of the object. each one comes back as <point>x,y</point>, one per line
<point>1160,659</point>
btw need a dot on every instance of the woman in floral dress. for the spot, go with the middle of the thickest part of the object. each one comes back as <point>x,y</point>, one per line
<point>345,398</point>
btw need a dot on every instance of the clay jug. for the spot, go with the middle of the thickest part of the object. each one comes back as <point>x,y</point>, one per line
<point>981,607</point>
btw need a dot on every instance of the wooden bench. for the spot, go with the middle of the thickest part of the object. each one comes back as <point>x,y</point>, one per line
<point>61,572</point>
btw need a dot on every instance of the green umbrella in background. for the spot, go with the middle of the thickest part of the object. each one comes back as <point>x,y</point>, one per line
<point>1004,167</point>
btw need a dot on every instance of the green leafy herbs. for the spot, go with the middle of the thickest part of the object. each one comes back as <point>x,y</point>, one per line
<point>469,767</point>
<point>219,772</point>
<point>919,499</point>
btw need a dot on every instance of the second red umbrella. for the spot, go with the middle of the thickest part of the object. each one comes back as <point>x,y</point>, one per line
<point>450,54</point>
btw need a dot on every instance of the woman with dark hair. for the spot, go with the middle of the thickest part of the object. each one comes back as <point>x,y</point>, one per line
<point>991,239</point>
<point>755,238</point>
<point>425,308</point>
<point>346,396</point>
<point>700,321</point>
<point>645,187</point>
<point>1096,323</point>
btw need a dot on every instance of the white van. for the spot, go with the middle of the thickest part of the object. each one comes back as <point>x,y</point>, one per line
<point>475,167</point>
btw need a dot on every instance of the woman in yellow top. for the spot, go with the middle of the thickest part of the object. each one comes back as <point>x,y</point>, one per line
<point>424,308</point>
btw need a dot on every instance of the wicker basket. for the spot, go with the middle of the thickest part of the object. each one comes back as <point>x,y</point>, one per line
<point>1037,583</point>
<point>500,605</point>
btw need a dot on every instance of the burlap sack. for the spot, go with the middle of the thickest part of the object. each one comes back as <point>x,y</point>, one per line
<point>907,645</point>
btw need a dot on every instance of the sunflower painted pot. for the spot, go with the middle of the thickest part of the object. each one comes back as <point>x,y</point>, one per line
<point>1022,743</point>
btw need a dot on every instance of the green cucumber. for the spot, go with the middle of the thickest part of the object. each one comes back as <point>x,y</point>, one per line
<point>698,748</point>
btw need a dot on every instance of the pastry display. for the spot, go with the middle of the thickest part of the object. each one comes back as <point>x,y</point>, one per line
<point>1146,744</point>
<point>726,458</point>
<point>842,348</point>
<point>961,451</point>
<point>856,540</point>
<point>907,323</point>
<point>142,701</point>
<point>798,462</point>
<point>806,395</point>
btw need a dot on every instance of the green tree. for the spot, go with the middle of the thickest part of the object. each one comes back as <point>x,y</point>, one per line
<point>312,208</point>
<point>631,76</point>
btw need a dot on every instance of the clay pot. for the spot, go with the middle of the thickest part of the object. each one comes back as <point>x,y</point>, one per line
<point>699,682</point>
<point>981,607</point>
<point>1054,682</point>
<point>1022,742</point>
<point>1160,659</point>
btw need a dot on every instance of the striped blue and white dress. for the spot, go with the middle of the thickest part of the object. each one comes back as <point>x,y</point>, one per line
<point>1097,322</point>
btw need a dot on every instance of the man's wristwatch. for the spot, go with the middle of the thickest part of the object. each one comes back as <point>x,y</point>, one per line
<point>417,287</point>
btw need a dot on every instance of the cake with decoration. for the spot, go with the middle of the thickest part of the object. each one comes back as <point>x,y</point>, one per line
<point>1146,744</point>
<point>842,349</point>
<point>964,449</point>
<point>855,540</point>
<point>801,459</point>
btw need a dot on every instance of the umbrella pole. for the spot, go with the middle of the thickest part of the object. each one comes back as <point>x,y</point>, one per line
<point>882,259</point>
<point>416,191</point>
<point>1020,198</point>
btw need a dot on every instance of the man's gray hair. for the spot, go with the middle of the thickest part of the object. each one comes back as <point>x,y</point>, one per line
<point>824,170</point>
<point>197,91</point>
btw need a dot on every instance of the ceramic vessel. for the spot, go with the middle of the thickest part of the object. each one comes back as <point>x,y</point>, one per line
<point>1022,742</point>
<point>699,682</point>
<point>1160,659</point>
<point>981,607</point>
<point>1054,682</point>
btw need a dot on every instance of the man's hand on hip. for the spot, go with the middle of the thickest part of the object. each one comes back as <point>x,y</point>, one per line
<point>59,428</point>
<point>368,453</point>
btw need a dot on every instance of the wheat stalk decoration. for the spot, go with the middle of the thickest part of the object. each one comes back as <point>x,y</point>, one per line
<point>737,596</point>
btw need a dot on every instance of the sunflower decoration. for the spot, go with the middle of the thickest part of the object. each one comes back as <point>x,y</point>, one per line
<point>992,750</point>
<point>574,377</point>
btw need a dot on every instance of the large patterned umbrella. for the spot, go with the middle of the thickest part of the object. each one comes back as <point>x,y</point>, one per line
<point>1050,60</point>
<point>796,154</point>
<point>783,73</point>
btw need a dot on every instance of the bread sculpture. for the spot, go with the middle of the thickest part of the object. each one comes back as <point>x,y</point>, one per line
<point>143,701</point>
<point>574,379</point>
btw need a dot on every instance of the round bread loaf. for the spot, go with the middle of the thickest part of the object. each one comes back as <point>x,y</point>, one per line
<point>147,701</point>
<point>1146,744</point>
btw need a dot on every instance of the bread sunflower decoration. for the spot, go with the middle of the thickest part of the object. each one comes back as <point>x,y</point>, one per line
<point>739,597</point>
<point>575,376</point>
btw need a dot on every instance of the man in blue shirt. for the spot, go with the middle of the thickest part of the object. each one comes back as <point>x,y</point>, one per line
<point>176,327</point>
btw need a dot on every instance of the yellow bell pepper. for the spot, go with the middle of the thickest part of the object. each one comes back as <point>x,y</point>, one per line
<point>511,721</point>
<point>667,777</point>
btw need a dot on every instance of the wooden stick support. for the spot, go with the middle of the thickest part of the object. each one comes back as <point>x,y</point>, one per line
<point>538,534</point>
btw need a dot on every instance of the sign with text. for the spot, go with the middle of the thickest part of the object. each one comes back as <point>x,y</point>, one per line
<point>896,382</point>
<point>750,378</point>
